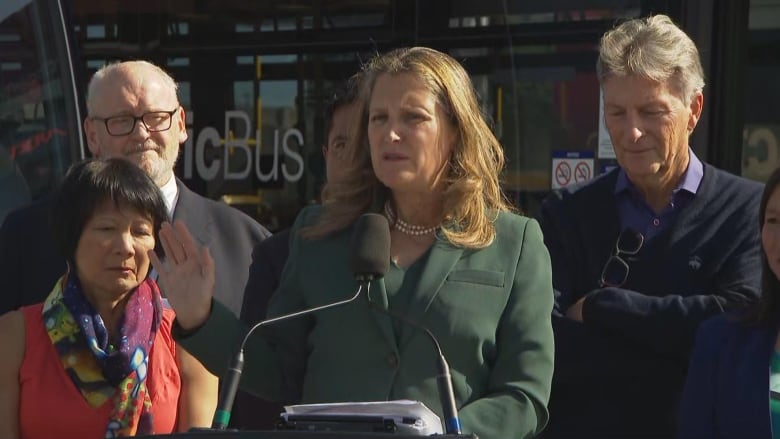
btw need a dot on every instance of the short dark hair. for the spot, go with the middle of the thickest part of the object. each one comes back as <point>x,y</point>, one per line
<point>90,183</point>
<point>766,311</point>
<point>345,94</point>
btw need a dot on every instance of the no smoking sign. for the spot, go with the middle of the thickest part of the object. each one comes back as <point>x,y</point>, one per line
<point>571,167</point>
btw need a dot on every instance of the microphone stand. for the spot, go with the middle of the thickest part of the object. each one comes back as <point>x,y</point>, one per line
<point>443,376</point>
<point>228,393</point>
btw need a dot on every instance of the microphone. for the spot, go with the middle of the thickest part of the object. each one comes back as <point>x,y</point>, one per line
<point>370,260</point>
<point>443,376</point>
<point>370,248</point>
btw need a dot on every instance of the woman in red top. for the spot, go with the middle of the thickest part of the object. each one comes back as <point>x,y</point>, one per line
<point>97,359</point>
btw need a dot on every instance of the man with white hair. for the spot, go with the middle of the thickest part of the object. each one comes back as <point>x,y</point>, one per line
<point>644,253</point>
<point>133,113</point>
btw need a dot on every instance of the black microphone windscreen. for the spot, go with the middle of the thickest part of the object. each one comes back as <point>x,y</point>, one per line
<point>370,247</point>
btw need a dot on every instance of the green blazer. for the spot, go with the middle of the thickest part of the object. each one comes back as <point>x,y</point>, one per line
<point>489,308</point>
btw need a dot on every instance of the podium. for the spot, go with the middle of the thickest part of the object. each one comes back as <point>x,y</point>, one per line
<point>284,434</point>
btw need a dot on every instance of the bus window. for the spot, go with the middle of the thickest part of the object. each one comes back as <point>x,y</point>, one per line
<point>40,127</point>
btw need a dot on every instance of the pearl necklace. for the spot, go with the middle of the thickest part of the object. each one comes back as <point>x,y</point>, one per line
<point>404,227</point>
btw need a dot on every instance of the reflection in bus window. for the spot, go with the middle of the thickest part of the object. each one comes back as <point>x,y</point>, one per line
<point>35,133</point>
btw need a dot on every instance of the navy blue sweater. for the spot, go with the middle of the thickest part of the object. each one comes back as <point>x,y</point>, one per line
<point>619,374</point>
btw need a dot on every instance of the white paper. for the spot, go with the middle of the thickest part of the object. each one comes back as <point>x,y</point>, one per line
<point>426,421</point>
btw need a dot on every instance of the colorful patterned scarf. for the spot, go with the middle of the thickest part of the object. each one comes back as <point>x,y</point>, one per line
<point>99,369</point>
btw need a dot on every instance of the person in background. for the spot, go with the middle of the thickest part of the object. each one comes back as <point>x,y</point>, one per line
<point>269,257</point>
<point>644,253</point>
<point>134,114</point>
<point>461,265</point>
<point>96,358</point>
<point>733,384</point>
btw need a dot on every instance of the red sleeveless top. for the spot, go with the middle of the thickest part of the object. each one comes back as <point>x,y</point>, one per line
<point>50,405</point>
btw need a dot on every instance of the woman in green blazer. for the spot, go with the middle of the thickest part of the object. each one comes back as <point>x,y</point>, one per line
<point>477,276</point>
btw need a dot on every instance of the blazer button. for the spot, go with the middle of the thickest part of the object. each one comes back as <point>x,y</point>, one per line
<point>392,360</point>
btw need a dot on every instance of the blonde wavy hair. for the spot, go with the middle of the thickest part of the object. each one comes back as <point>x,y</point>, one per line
<point>655,48</point>
<point>472,196</point>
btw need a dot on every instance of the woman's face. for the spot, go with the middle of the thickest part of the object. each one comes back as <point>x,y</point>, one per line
<point>410,136</point>
<point>112,253</point>
<point>770,232</point>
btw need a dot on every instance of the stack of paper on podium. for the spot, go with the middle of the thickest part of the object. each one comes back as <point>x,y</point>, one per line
<point>400,416</point>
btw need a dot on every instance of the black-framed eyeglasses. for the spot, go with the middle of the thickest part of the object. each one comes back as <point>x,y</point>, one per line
<point>615,271</point>
<point>154,121</point>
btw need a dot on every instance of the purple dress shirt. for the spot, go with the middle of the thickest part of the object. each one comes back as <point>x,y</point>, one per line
<point>636,214</point>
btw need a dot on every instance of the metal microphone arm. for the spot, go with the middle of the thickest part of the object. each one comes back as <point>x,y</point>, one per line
<point>443,377</point>
<point>230,385</point>
<point>303,312</point>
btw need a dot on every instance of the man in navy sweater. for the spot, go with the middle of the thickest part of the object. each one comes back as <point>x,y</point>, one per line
<point>645,253</point>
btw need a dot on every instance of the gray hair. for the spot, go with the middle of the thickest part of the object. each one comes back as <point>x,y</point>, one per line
<point>655,48</point>
<point>125,67</point>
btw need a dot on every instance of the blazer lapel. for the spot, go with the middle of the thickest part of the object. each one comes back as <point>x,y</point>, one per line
<point>187,211</point>
<point>441,260</point>
<point>378,297</point>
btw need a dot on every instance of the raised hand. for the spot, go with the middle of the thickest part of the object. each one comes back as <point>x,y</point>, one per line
<point>187,275</point>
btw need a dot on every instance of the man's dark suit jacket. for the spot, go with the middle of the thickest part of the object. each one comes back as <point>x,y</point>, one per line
<point>30,263</point>
<point>268,259</point>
